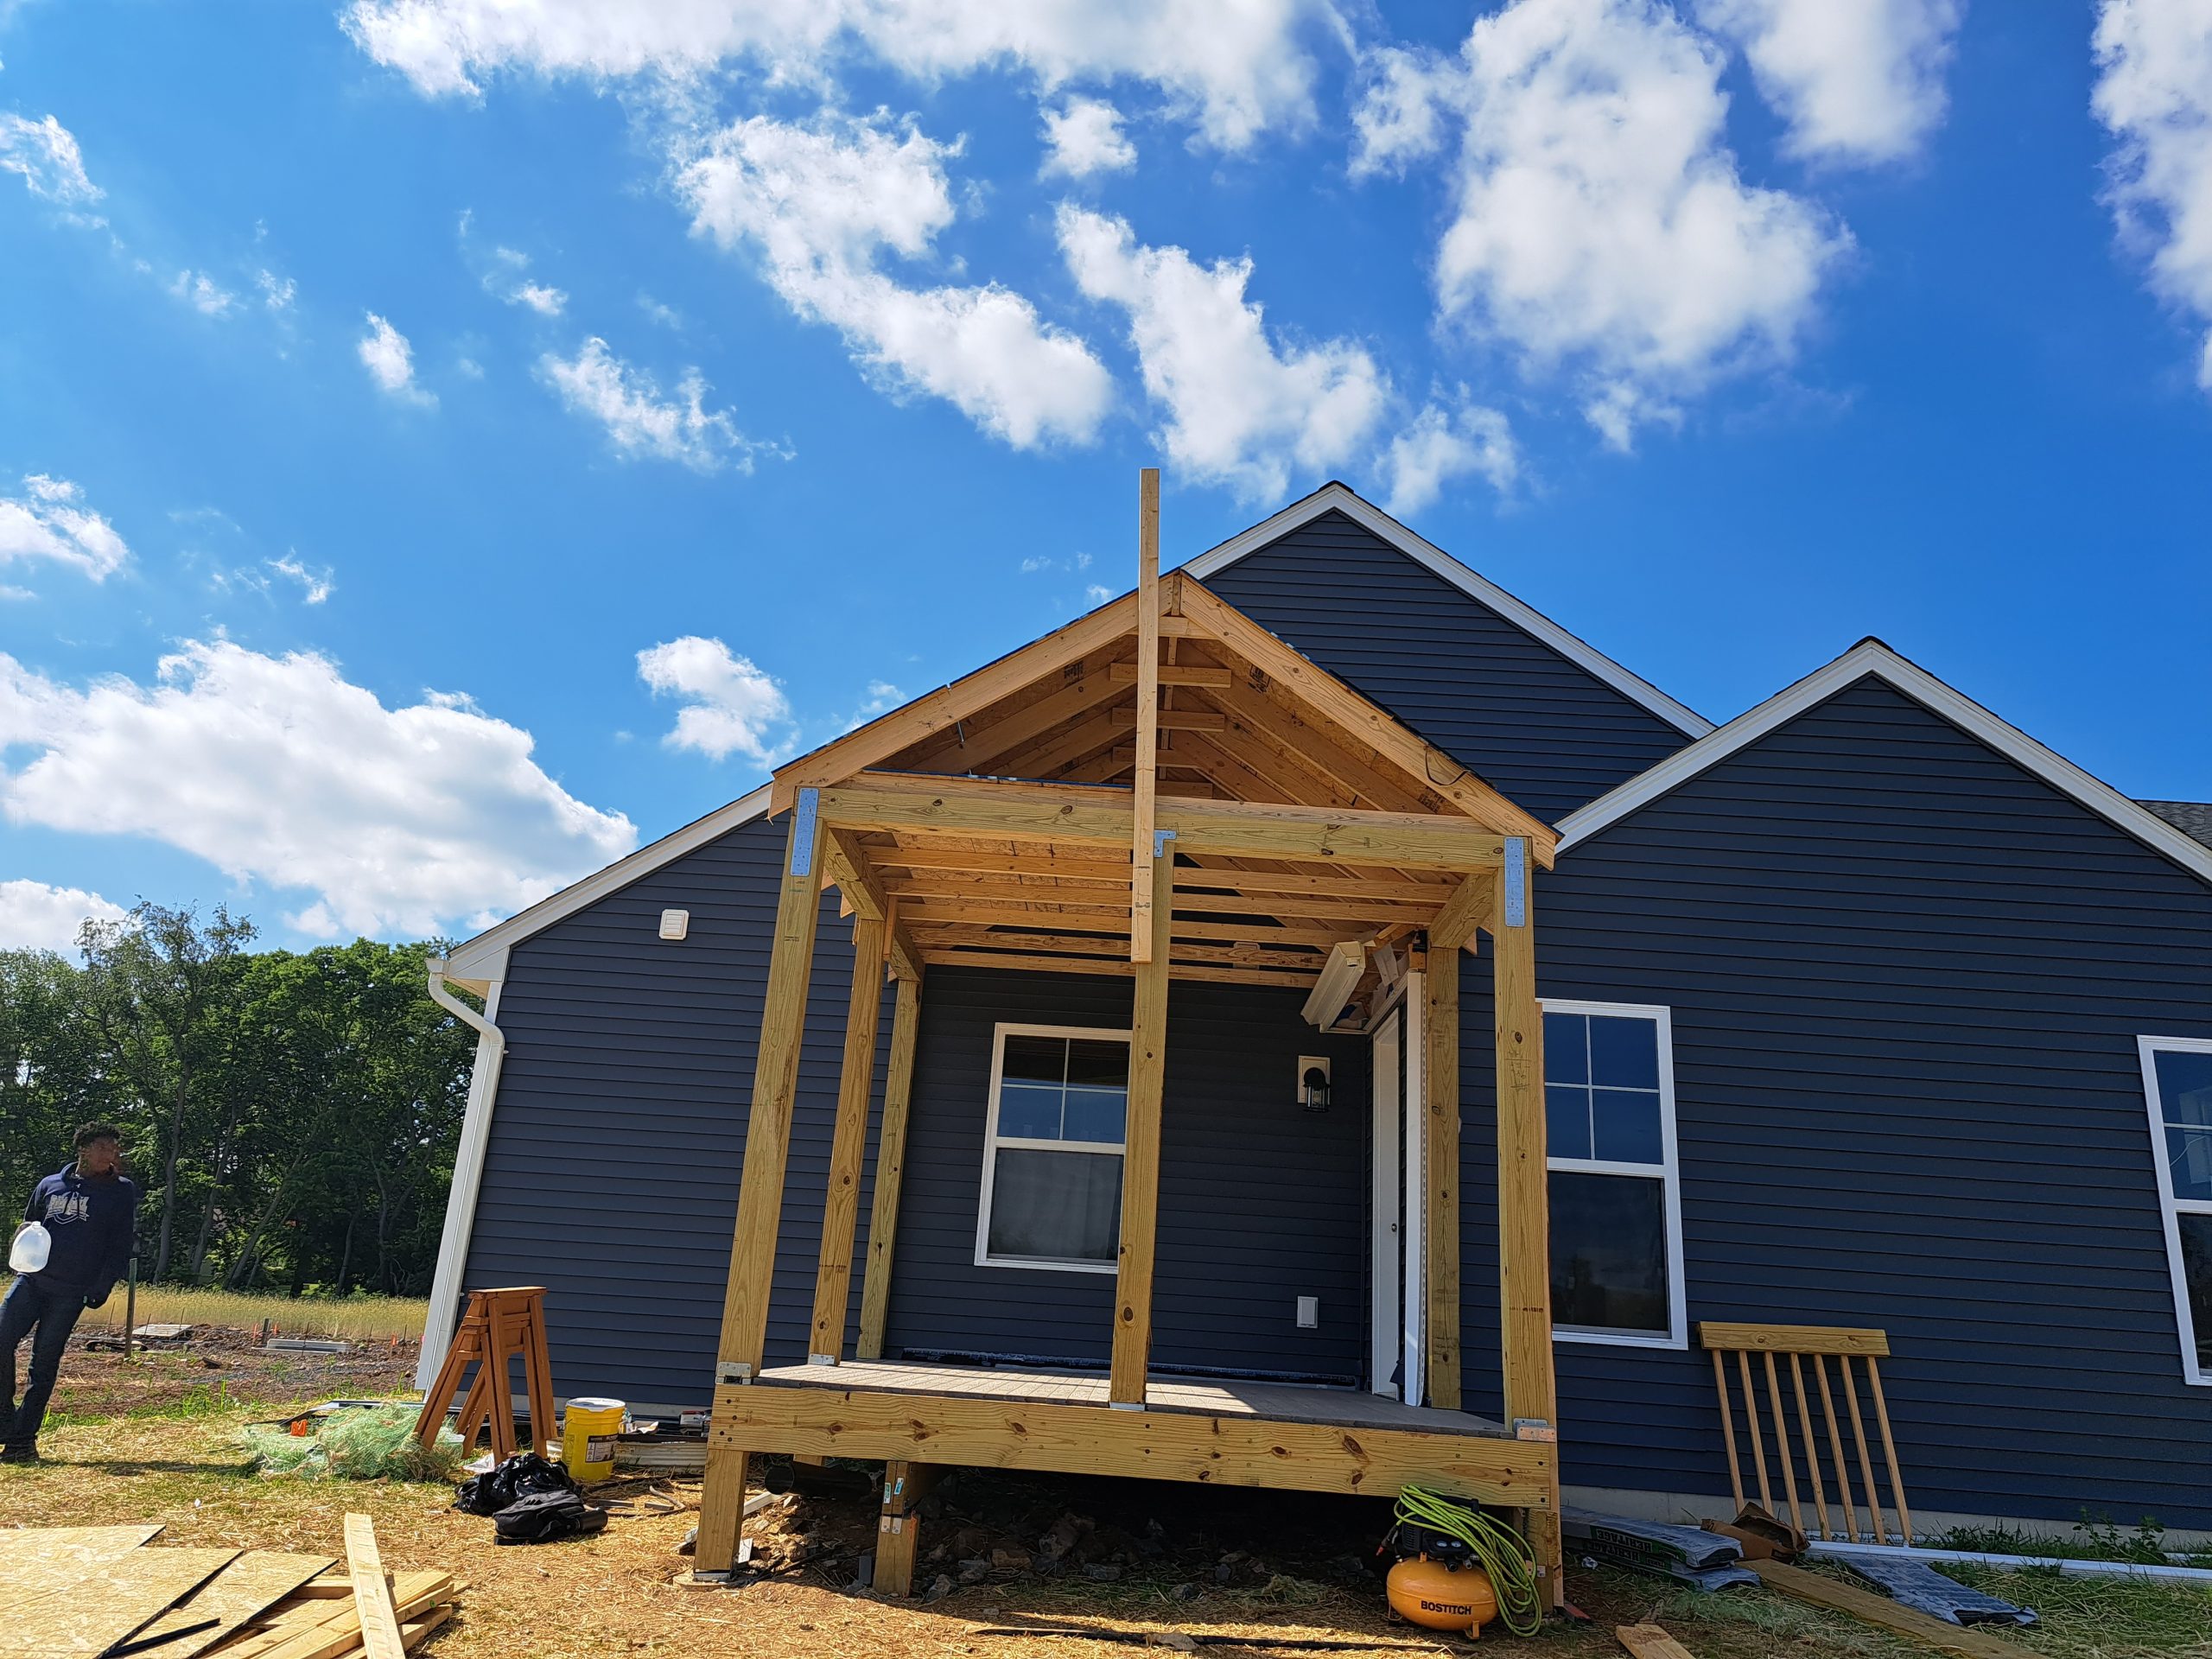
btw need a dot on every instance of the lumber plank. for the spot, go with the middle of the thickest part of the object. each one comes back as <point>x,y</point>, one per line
<point>371,1593</point>
<point>1131,1351</point>
<point>1280,978</point>
<point>1467,910</point>
<point>1170,674</point>
<point>1411,840</point>
<point>846,866</point>
<point>1440,1087</point>
<point>848,1143</point>
<point>890,1168</point>
<point>1146,719</point>
<point>1792,1338</point>
<point>339,1631</point>
<point>880,1425</point>
<point>1964,1641</point>
<point>1649,1642</point>
<point>240,1593</point>
<point>88,1612</point>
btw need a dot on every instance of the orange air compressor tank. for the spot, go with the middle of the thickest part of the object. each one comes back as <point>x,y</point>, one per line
<point>1427,1593</point>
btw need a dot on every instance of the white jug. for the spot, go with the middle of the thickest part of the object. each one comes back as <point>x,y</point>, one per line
<point>32,1245</point>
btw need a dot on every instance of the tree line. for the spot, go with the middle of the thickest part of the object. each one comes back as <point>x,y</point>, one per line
<point>292,1117</point>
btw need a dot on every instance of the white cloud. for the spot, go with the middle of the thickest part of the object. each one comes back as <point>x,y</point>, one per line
<point>731,707</point>
<point>1235,67</point>
<point>1858,81</point>
<point>1083,136</point>
<point>203,294</point>
<point>48,521</point>
<point>507,280</point>
<point>36,917</point>
<point>277,293</point>
<point>45,154</point>
<point>627,402</point>
<point>824,203</point>
<point>390,362</point>
<point>2154,92</point>
<point>666,316</point>
<point>316,586</point>
<point>1600,222</point>
<point>275,769</point>
<point>1097,593</point>
<point>1444,442</point>
<point>1240,410</point>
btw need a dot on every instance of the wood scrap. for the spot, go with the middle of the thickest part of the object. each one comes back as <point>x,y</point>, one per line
<point>372,1593</point>
<point>1963,1642</point>
<point>88,1612</point>
<point>241,1593</point>
<point>1650,1642</point>
<point>335,1629</point>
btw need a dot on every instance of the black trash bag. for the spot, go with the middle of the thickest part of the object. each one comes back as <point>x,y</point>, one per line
<point>545,1518</point>
<point>521,1475</point>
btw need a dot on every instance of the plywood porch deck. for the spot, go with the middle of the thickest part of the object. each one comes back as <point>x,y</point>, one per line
<point>1278,1402</point>
<point>1221,1432</point>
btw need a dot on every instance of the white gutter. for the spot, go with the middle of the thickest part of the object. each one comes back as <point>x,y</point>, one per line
<point>2072,1568</point>
<point>468,1162</point>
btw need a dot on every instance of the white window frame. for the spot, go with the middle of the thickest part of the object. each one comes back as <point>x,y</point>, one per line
<point>992,1141</point>
<point>1668,1175</point>
<point>2172,1209</point>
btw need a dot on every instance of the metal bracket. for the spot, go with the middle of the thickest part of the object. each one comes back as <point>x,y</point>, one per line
<point>809,806</point>
<point>1160,840</point>
<point>1516,881</point>
<point>822,1359</point>
<point>732,1370</point>
<point>1124,1405</point>
<point>1534,1428</point>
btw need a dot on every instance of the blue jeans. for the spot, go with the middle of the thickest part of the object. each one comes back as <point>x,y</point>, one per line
<point>54,1314</point>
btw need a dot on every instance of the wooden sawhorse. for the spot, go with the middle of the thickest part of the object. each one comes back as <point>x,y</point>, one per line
<point>501,1326</point>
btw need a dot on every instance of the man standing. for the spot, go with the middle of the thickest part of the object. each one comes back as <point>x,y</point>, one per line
<point>89,1210</point>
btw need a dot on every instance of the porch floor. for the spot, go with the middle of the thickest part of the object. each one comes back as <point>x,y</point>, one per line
<point>1277,1402</point>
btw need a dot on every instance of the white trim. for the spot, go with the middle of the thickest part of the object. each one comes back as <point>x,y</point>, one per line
<point>1386,1062</point>
<point>470,964</point>
<point>2172,1209</point>
<point>1413,1356</point>
<point>992,1141</point>
<point>1668,1174</point>
<point>1333,497</point>
<point>467,1173</point>
<point>1872,657</point>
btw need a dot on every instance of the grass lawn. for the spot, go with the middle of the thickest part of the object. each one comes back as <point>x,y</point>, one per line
<point>358,1318</point>
<point>622,1592</point>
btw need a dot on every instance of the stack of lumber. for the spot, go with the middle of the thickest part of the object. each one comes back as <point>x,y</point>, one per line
<point>81,1593</point>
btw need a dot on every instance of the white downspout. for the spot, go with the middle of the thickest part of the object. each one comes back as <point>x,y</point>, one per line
<point>468,1167</point>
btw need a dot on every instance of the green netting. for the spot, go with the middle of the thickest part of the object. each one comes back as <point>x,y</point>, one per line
<point>368,1443</point>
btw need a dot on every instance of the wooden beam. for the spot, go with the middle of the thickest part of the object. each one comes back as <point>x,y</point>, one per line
<point>1132,1347</point>
<point>1267,720</point>
<point>1463,913</point>
<point>1170,674</point>
<point>972,748</point>
<point>1428,766</point>
<point>373,1602</point>
<point>1006,859</point>
<point>1524,1188</point>
<point>1310,834</point>
<point>1116,968</point>
<point>905,962</point>
<point>1793,1338</point>
<point>911,804</point>
<point>760,1187</point>
<point>890,1166</point>
<point>845,864</point>
<point>1174,720</point>
<point>1440,1086</point>
<point>833,1274</point>
<point>1142,853</point>
<point>1158,1445</point>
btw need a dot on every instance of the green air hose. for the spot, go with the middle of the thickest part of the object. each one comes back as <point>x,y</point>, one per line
<point>1501,1551</point>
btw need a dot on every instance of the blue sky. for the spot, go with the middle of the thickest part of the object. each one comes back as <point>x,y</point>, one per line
<point>444,445</point>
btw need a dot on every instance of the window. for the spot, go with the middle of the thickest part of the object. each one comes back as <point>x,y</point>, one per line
<point>2177,1082</point>
<point>1053,1149</point>
<point>1615,1204</point>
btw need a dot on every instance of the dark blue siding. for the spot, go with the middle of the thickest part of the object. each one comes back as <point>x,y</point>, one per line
<point>612,1174</point>
<point>1541,728</point>
<point>1906,979</point>
<point>1260,1202</point>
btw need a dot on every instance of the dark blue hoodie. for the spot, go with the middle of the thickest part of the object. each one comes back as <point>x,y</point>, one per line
<point>92,1222</point>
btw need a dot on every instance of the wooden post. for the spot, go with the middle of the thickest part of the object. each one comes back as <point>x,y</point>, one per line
<point>760,1189</point>
<point>1523,1189</point>
<point>833,1276</point>
<point>1440,1086</point>
<point>1140,1147</point>
<point>890,1166</point>
<point>1141,853</point>
<point>898,1539</point>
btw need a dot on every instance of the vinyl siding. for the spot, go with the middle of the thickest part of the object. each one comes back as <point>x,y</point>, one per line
<point>1260,1201</point>
<point>611,1172</point>
<point>1906,979</point>
<point>1540,727</point>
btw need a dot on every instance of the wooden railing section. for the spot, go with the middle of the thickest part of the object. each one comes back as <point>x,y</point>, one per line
<point>1819,1344</point>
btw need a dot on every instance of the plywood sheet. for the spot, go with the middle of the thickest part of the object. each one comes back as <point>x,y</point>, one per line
<point>93,1611</point>
<point>242,1591</point>
<point>31,1558</point>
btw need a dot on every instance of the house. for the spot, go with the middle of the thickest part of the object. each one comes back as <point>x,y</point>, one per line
<point>1863,1010</point>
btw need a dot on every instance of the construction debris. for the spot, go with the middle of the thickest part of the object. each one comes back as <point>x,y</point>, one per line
<point>1706,1560</point>
<point>78,1593</point>
<point>1649,1642</point>
<point>1918,1585</point>
<point>1881,1612</point>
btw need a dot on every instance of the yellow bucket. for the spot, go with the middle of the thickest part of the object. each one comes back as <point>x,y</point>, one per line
<point>588,1432</point>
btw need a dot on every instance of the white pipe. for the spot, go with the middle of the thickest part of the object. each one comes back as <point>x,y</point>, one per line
<point>2064,1564</point>
<point>467,1167</point>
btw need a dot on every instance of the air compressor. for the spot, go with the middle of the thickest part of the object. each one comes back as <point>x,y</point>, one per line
<point>1458,1570</point>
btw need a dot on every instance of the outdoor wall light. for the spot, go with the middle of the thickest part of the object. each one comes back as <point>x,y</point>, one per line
<point>1313,1081</point>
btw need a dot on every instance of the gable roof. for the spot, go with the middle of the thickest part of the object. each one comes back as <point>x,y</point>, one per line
<point>1871,657</point>
<point>1333,497</point>
<point>2192,818</point>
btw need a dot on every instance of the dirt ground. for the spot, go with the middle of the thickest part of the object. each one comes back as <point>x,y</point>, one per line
<point>218,1367</point>
<point>1244,1574</point>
